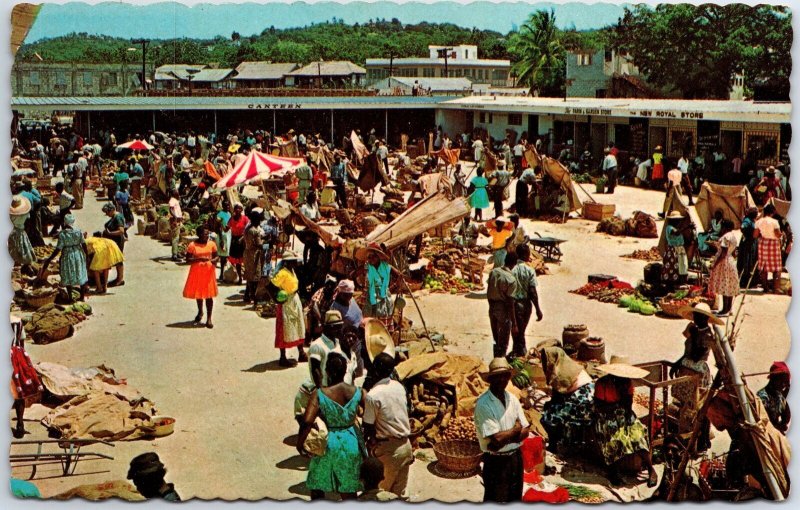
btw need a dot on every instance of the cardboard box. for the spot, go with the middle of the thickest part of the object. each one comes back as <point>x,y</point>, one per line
<point>597,212</point>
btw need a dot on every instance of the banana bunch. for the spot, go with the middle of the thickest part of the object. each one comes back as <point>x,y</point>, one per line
<point>521,377</point>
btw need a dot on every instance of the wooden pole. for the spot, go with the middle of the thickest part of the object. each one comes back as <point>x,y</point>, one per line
<point>689,451</point>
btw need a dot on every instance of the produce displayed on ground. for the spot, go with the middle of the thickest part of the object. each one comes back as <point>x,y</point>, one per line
<point>651,255</point>
<point>639,225</point>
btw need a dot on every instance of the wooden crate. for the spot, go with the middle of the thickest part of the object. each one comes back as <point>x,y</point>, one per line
<point>597,212</point>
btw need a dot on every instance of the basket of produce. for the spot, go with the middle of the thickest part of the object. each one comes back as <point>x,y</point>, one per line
<point>671,304</point>
<point>459,456</point>
<point>41,297</point>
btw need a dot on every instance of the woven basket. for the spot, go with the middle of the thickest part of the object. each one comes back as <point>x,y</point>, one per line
<point>54,335</point>
<point>670,308</point>
<point>458,456</point>
<point>40,301</point>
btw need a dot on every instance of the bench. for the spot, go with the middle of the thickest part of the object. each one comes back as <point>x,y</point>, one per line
<point>69,456</point>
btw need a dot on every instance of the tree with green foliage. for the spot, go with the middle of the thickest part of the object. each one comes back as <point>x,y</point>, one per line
<point>539,55</point>
<point>697,49</point>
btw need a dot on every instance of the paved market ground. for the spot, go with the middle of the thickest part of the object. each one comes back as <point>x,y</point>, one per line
<point>233,404</point>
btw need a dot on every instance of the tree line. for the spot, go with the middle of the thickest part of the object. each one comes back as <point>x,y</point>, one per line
<point>686,50</point>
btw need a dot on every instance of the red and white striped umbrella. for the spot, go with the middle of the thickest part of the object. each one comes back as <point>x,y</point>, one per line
<point>258,165</point>
<point>136,145</point>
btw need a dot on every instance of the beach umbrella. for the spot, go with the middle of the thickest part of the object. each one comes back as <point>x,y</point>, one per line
<point>136,145</point>
<point>259,165</point>
<point>23,172</point>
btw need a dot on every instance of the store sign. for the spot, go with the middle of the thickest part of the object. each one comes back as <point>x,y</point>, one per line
<point>660,114</point>
<point>587,111</point>
<point>274,106</point>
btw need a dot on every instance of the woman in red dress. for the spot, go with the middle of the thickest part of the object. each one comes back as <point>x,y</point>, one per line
<point>201,284</point>
<point>238,225</point>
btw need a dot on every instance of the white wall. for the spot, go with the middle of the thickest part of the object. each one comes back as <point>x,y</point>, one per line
<point>453,122</point>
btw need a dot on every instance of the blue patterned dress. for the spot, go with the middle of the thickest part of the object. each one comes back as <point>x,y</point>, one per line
<point>73,259</point>
<point>339,469</point>
<point>19,246</point>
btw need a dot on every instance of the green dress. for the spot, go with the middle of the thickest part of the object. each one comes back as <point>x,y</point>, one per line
<point>480,197</point>
<point>339,469</point>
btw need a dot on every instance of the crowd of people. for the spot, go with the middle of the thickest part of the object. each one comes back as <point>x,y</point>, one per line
<point>352,390</point>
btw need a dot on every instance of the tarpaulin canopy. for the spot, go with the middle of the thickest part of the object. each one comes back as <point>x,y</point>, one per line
<point>781,206</point>
<point>733,201</point>
<point>449,156</point>
<point>136,145</point>
<point>359,149</point>
<point>258,165</point>
<point>431,183</point>
<point>557,172</point>
<point>322,157</point>
<point>371,174</point>
<point>430,212</point>
<point>211,171</point>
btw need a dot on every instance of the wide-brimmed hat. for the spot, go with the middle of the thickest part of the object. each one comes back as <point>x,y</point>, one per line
<point>623,370</point>
<point>19,205</point>
<point>770,170</point>
<point>687,312</point>
<point>233,147</point>
<point>333,317</point>
<point>376,248</point>
<point>675,215</point>
<point>378,339</point>
<point>498,366</point>
<point>290,255</point>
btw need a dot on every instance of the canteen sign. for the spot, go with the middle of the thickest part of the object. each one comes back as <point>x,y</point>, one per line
<point>274,106</point>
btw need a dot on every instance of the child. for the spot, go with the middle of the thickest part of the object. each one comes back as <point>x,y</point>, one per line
<point>371,477</point>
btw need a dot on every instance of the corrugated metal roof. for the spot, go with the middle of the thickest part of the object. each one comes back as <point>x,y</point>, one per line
<point>263,70</point>
<point>332,68</point>
<point>220,103</point>
<point>172,72</point>
<point>211,75</point>
<point>426,61</point>
<point>435,84</point>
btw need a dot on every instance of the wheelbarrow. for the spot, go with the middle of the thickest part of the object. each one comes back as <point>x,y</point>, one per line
<point>548,247</point>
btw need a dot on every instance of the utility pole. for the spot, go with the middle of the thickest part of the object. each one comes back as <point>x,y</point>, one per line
<point>144,43</point>
<point>446,52</point>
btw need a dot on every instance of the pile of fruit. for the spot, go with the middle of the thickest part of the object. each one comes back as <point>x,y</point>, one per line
<point>42,252</point>
<point>605,292</point>
<point>460,428</point>
<point>635,304</point>
<point>438,281</point>
<point>431,412</point>
<point>651,255</point>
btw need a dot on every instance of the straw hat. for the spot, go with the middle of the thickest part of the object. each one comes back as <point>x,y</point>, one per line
<point>290,255</point>
<point>498,366</point>
<point>658,148</point>
<point>623,370</point>
<point>378,339</point>
<point>333,317</point>
<point>19,206</point>
<point>770,170</point>
<point>376,248</point>
<point>675,215</point>
<point>687,312</point>
<point>619,359</point>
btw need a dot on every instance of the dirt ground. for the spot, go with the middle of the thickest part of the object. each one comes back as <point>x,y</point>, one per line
<point>233,404</point>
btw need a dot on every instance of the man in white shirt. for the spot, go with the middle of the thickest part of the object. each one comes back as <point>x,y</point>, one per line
<point>383,155</point>
<point>310,209</point>
<point>686,182</point>
<point>643,170</point>
<point>501,426</point>
<point>387,426</point>
<point>610,169</point>
<point>175,220</point>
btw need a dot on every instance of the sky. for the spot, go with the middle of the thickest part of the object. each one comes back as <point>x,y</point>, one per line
<point>162,20</point>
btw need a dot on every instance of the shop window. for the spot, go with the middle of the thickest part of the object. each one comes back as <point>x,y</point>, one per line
<point>514,119</point>
<point>428,72</point>
<point>763,145</point>
<point>584,59</point>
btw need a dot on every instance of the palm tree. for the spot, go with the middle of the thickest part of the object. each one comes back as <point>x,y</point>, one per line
<point>539,54</point>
